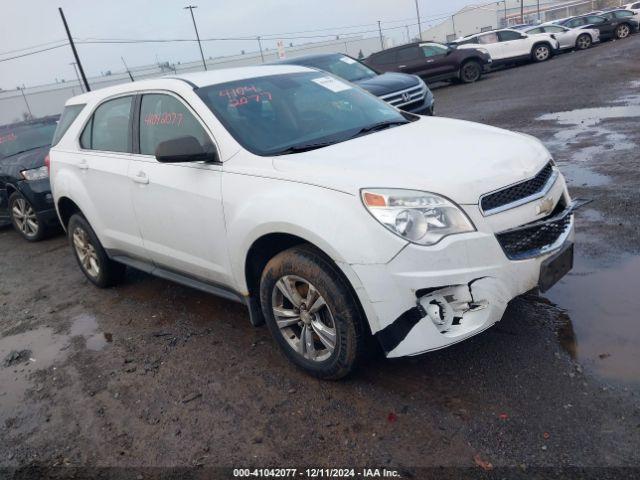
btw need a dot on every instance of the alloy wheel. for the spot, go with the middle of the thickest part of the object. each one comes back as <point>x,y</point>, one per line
<point>623,31</point>
<point>584,42</point>
<point>304,318</point>
<point>86,252</point>
<point>470,72</point>
<point>25,218</point>
<point>542,53</point>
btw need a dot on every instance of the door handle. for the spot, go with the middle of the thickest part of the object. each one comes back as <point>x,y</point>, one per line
<point>140,177</point>
<point>83,165</point>
<point>402,66</point>
<point>430,61</point>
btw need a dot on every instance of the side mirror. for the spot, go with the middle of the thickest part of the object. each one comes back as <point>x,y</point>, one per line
<point>185,149</point>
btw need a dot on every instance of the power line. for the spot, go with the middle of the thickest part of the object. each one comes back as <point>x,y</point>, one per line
<point>33,53</point>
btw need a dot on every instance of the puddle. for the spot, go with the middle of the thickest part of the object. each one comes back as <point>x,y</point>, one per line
<point>604,310</point>
<point>45,349</point>
<point>87,326</point>
<point>593,116</point>
<point>580,176</point>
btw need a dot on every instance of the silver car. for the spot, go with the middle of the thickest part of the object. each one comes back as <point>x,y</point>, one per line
<point>569,38</point>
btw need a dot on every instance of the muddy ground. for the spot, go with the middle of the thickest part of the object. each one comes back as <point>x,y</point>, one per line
<point>155,374</point>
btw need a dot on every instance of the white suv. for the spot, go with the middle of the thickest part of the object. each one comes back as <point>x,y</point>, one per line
<point>330,214</point>
<point>509,45</point>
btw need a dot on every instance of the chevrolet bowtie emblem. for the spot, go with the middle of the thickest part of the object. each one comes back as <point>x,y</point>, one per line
<point>545,206</point>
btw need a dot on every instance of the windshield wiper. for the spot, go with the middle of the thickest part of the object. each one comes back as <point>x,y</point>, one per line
<point>379,126</point>
<point>303,147</point>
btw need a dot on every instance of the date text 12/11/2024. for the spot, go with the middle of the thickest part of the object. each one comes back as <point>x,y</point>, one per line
<point>315,473</point>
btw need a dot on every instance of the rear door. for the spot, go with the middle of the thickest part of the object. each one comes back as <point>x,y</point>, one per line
<point>103,164</point>
<point>491,42</point>
<point>410,60</point>
<point>178,205</point>
<point>383,61</point>
<point>437,62</point>
<point>513,44</point>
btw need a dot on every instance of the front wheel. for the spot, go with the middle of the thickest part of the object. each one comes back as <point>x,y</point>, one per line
<point>91,256</point>
<point>312,313</point>
<point>541,53</point>
<point>623,31</point>
<point>470,72</point>
<point>583,42</point>
<point>24,218</point>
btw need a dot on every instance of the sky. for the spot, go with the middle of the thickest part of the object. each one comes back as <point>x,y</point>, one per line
<point>32,23</point>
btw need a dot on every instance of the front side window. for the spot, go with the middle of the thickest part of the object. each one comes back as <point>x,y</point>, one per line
<point>21,138</point>
<point>163,118</point>
<point>108,129</point>
<point>595,20</point>
<point>623,14</point>
<point>281,114</point>
<point>433,50</point>
<point>552,30</point>
<point>576,22</point>
<point>488,38</point>
<point>535,31</point>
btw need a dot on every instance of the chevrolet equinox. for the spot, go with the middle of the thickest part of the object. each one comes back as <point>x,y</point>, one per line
<point>330,214</point>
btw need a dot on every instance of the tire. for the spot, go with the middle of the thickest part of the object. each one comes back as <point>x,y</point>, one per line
<point>470,71</point>
<point>25,219</point>
<point>584,41</point>
<point>302,274</point>
<point>623,31</point>
<point>541,52</point>
<point>91,256</point>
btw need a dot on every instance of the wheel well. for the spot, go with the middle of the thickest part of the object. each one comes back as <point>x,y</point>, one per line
<point>267,247</point>
<point>545,43</point>
<point>263,250</point>
<point>67,207</point>
<point>10,189</point>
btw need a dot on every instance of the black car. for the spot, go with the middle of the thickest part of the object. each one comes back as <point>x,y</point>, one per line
<point>615,24</point>
<point>407,92</point>
<point>25,192</point>
<point>433,61</point>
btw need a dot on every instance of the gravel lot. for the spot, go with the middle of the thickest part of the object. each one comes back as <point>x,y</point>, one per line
<point>155,374</point>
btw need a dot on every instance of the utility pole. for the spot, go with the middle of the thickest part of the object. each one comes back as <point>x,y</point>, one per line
<point>521,11</point>
<point>538,11</point>
<point>260,46</point>
<point>504,2</point>
<point>419,24</point>
<point>75,69</point>
<point>408,36</point>
<point>453,22</point>
<point>75,52</point>
<point>380,33</point>
<point>127,69</point>
<point>195,27</point>
<point>25,101</point>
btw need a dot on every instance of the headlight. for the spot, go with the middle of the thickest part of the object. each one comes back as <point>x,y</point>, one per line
<point>419,217</point>
<point>35,173</point>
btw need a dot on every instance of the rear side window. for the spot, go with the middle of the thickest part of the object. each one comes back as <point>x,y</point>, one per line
<point>408,54</point>
<point>108,129</point>
<point>576,22</point>
<point>594,20</point>
<point>536,31</point>
<point>507,35</point>
<point>164,117</point>
<point>623,14</point>
<point>384,58</point>
<point>551,30</point>
<point>433,50</point>
<point>69,114</point>
<point>488,38</point>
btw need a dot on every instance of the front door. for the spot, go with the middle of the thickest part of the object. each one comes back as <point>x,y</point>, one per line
<point>178,205</point>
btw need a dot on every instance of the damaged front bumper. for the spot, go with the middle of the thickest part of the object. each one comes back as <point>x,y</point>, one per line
<point>428,298</point>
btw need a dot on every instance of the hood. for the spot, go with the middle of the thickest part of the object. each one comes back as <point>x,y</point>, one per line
<point>458,159</point>
<point>388,83</point>
<point>13,165</point>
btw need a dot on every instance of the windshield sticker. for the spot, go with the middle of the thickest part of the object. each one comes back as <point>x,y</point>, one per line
<point>332,84</point>
<point>240,96</point>
<point>348,60</point>
<point>165,118</point>
<point>11,137</point>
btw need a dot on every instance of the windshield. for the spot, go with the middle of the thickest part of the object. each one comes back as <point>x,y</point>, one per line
<point>343,67</point>
<point>280,114</point>
<point>23,138</point>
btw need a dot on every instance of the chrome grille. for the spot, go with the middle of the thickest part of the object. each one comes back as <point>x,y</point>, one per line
<point>406,97</point>
<point>520,193</point>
